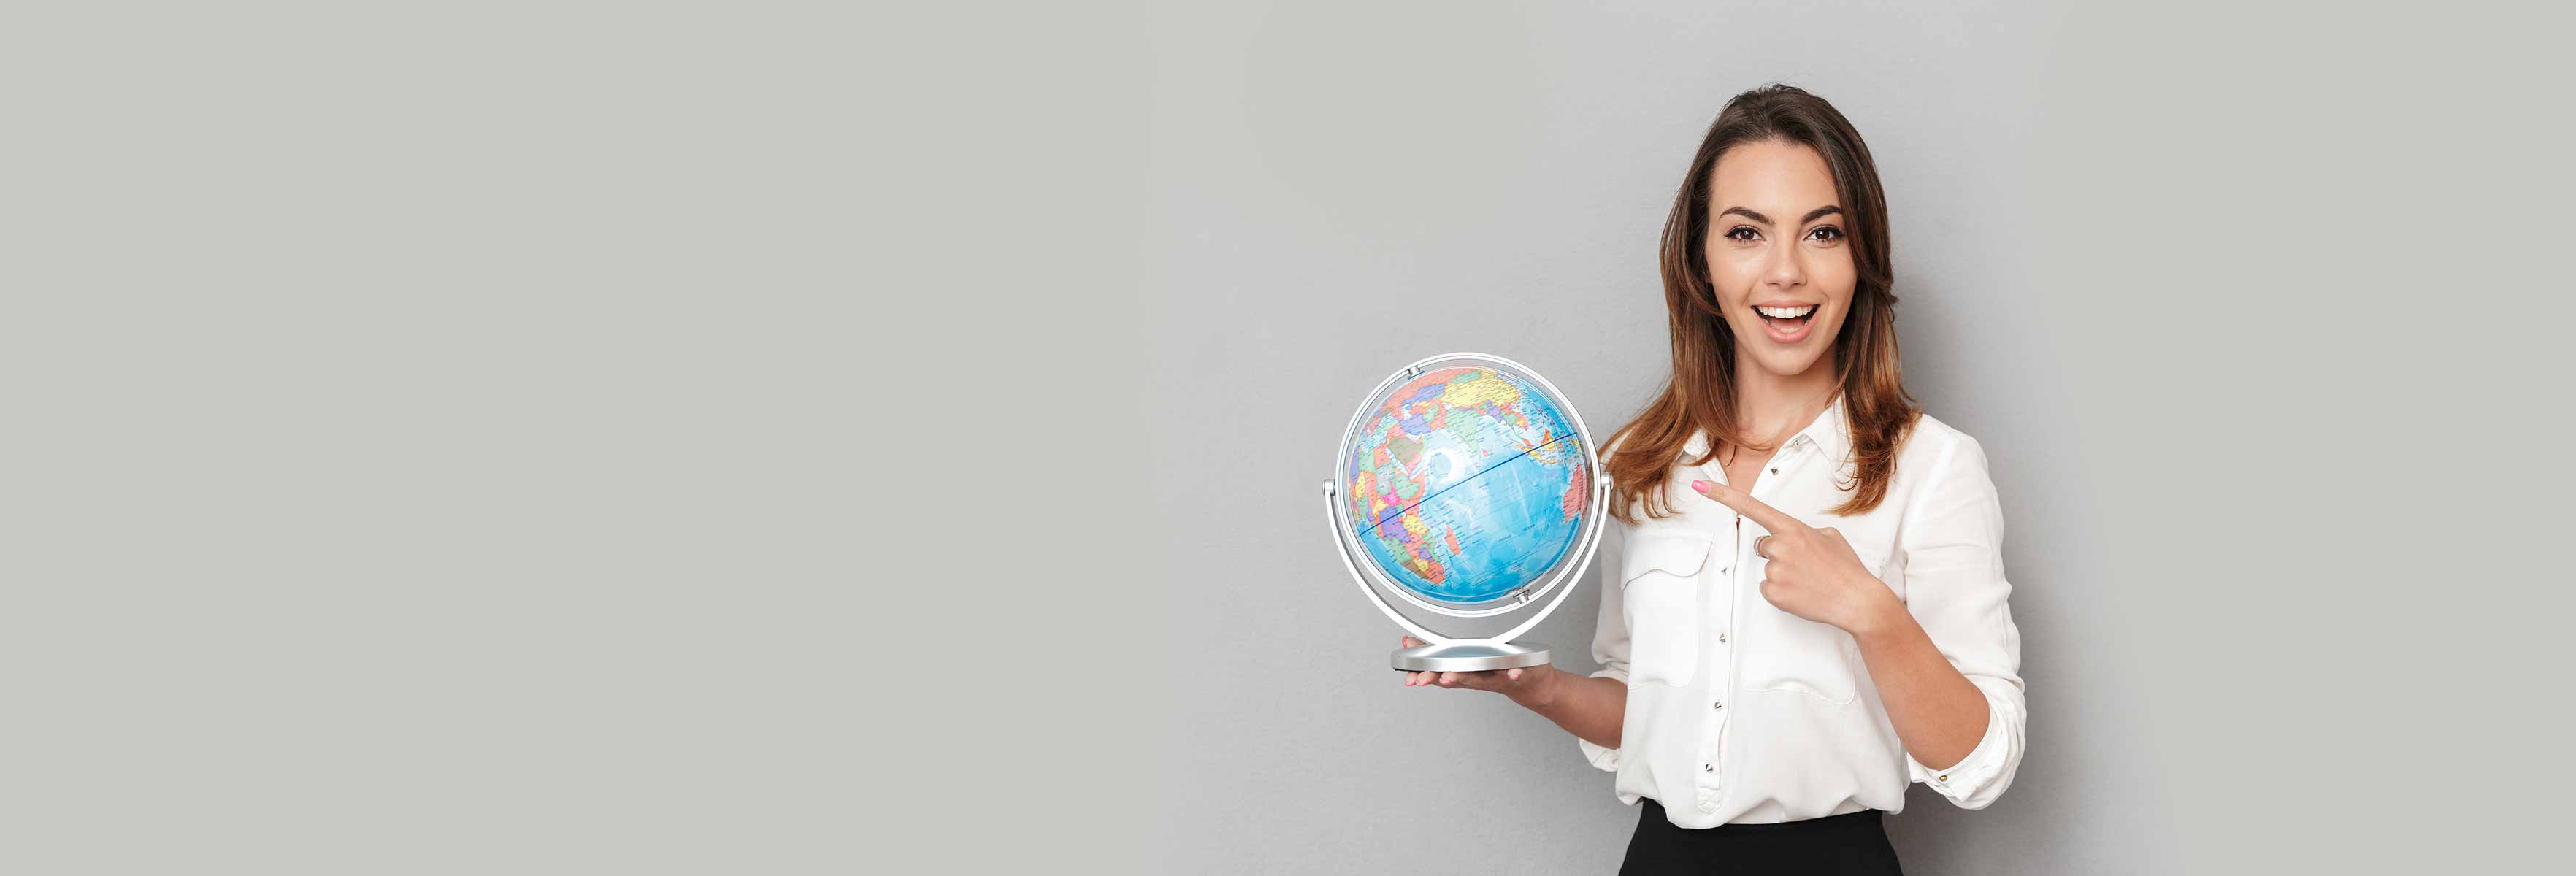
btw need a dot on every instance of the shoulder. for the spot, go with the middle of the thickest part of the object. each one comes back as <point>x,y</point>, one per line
<point>1934,447</point>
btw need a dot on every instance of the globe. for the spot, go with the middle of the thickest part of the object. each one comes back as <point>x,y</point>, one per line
<point>1466,483</point>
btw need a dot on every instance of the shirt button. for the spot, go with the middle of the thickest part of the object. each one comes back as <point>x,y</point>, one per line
<point>1708,768</point>
<point>1775,469</point>
<point>1717,705</point>
<point>1944,777</point>
<point>1721,638</point>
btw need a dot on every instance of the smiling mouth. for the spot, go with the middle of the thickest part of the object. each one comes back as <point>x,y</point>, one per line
<point>1786,320</point>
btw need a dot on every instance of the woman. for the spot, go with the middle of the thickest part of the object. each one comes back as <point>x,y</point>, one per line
<point>1808,609</point>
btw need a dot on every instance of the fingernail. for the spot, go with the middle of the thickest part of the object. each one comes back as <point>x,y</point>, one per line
<point>1701,486</point>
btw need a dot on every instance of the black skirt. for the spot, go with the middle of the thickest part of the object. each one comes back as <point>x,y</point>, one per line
<point>1853,844</point>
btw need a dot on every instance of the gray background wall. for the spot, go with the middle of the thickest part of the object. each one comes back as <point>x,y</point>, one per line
<point>562,437</point>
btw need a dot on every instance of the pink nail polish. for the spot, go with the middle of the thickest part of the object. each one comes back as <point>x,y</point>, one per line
<point>1701,486</point>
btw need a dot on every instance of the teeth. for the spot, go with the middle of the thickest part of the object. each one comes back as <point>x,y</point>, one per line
<point>1786,312</point>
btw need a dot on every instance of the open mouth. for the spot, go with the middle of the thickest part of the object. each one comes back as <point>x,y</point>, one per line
<point>1787,324</point>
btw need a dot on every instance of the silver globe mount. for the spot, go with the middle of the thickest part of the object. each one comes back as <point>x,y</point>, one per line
<point>1442,653</point>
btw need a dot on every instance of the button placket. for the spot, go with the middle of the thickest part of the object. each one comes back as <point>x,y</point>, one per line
<point>1721,686</point>
<point>1791,455</point>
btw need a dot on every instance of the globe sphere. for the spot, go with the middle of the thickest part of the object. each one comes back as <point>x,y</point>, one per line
<point>1466,484</point>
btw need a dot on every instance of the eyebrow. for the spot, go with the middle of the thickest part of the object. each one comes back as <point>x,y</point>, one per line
<point>1812,215</point>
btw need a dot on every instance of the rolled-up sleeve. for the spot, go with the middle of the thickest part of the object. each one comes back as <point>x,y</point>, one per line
<point>1955,588</point>
<point>1609,638</point>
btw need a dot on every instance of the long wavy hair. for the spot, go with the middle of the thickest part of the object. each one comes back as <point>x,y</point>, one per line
<point>1701,393</point>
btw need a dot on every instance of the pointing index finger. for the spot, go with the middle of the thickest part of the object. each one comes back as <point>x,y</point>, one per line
<point>1772,519</point>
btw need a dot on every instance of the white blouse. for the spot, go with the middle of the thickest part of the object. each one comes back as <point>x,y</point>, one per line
<point>1740,712</point>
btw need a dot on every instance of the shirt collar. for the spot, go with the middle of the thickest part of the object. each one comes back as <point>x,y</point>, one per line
<point>1829,433</point>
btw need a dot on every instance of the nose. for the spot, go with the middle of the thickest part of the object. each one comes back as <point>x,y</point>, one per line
<point>1787,269</point>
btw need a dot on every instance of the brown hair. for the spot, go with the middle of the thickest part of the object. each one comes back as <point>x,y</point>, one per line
<point>1701,393</point>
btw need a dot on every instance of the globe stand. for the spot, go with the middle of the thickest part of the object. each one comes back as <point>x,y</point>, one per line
<point>1441,653</point>
<point>1469,656</point>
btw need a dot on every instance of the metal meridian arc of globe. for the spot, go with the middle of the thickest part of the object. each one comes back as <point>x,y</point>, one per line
<point>1466,485</point>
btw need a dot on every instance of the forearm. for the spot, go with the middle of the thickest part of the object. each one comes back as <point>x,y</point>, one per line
<point>1938,713</point>
<point>1590,708</point>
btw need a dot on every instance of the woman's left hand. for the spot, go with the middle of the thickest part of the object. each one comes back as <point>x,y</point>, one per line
<point>1812,572</point>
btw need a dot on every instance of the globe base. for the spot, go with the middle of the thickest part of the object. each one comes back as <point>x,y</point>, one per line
<point>1469,657</point>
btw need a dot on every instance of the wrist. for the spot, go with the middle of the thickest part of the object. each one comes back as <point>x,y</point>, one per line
<point>1539,687</point>
<point>1879,617</point>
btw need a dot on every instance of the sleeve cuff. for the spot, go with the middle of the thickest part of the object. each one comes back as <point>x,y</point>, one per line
<point>1976,780</point>
<point>1606,759</point>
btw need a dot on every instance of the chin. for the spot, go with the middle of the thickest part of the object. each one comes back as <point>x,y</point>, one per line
<point>1788,363</point>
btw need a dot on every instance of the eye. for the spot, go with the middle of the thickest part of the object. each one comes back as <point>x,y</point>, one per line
<point>1825,234</point>
<point>1743,233</point>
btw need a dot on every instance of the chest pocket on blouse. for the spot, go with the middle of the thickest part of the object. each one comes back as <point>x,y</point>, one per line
<point>1779,651</point>
<point>1659,594</point>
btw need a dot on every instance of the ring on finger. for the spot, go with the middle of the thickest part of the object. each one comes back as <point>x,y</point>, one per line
<point>1757,547</point>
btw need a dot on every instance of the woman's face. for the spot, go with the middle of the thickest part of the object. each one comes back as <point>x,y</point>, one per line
<point>1777,255</point>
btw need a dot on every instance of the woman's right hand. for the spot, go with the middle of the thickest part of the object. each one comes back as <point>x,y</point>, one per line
<point>1527,686</point>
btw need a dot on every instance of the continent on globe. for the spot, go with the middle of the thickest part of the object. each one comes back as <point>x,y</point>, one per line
<point>1466,484</point>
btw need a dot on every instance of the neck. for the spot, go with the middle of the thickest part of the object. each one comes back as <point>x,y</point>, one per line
<point>1771,406</point>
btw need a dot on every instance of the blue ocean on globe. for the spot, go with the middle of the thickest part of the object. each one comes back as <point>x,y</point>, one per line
<point>1466,484</point>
